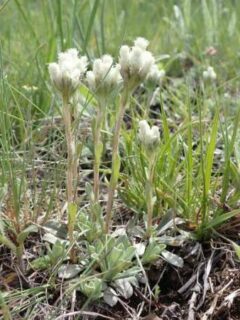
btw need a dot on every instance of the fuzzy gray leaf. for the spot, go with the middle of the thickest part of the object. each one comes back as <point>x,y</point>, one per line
<point>110,297</point>
<point>69,271</point>
<point>172,258</point>
<point>124,288</point>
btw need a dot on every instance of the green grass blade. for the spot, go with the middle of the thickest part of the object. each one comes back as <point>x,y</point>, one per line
<point>59,21</point>
<point>218,220</point>
<point>91,23</point>
<point>210,153</point>
<point>27,20</point>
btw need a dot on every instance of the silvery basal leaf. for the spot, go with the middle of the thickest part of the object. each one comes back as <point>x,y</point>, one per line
<point>69,271</point>
<point>124,288</point>
<point>110,297</point>
<point>172,258</point>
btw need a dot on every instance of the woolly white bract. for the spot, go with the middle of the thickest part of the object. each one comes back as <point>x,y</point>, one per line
<point>67,73</point>
<point>149,137</point>
<point>136,61</point>
<point>209,74</point>
<point>105,76</point>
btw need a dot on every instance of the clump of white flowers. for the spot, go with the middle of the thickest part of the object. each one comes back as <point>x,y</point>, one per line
<point>105,76</point>
<point>209,74</point>
<point>136,62</point>
<point>156,75</point>
<point>67,73</point>
<point>148,136</point>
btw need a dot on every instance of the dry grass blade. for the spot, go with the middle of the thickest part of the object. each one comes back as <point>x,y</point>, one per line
<point>210,312</point>
<point>83,313</point>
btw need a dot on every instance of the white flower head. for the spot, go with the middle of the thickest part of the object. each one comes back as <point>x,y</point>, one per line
<point>149,137</point>
<point>156,75</point>
<point>67,73</point>
<point>105,76</point>
<point>209,74</point>
<point>141,43</point>
<point>135,62</point>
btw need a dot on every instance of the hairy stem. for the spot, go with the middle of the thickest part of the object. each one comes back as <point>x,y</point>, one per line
<point>71,176</point>
<point>115,159</point>
<point>70,149</point>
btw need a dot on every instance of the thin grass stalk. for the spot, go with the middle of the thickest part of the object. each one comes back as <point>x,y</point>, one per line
<point>4,308</point>
<point>189,164</point>
<point>149,195</point>
<point>97,151</point>
<point>204,197</point>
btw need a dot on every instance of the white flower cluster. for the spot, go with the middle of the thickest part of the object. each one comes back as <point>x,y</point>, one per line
<point>136,62</point>
<point>155,75</point>
<point>209,74</point>
<point>149,137</point>
<point>67,73</point>
<point>105,76</point>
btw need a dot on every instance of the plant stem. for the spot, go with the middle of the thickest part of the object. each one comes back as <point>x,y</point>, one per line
<point>19,254</point>
<point>97,150</point>
<point>70,149</point>
<point>71,167</point>
<point>115,159</point>
<point>149,195</point>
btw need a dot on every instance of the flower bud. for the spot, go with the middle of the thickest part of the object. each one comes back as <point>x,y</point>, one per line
<point>209,74</point>
<point>149,137</point>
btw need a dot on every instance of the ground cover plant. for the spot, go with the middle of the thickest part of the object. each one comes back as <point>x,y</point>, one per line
<point>120,160</point>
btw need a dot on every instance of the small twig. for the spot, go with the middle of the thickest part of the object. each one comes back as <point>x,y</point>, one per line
<point>192,279</point>
<point>210,311</point>
<point>147,287</point>
<point>73,302</point>
<point>205,280</point>
<point>228,300</point>
<point>212,308</point>
<point>128,309</point>
<point>192,302</point>
<point>141,295</point>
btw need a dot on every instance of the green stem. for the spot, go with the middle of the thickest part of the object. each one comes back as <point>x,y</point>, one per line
<point>149,195</point>
<point>97,151</point>
<point>115,159</point>
<point>204,197</point>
